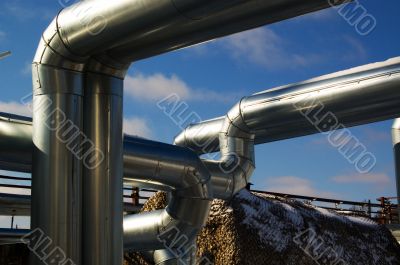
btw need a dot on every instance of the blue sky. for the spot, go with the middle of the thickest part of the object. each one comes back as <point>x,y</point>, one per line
<point>211,77</point>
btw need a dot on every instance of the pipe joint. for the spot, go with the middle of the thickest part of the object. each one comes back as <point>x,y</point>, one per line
<point>235,124</point>
<point>102,64</point>
<point>53,52</point>
<point>236,144</point>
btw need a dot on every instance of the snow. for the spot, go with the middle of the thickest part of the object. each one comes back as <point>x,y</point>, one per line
<point>275,221</point>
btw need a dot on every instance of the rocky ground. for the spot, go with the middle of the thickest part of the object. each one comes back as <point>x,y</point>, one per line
<point>259,229</point>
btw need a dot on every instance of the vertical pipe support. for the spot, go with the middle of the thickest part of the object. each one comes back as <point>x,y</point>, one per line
<point>103,171</point>
<point>56,170</point>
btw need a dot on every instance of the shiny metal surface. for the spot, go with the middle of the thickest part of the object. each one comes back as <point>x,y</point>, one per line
<point>147,231</point>
<point>123,31</point>
<point>233,171</point>
<point>102,173</point>
<point>15,141</point>
<point>396,150</point>
<point>84,42</point>
<point>181,23</point>
<point>188,180</point>
<point>203,137</point>
<point>167,165</point>
<point>357,96</point>
<point>58,86</point>
<point>165,257</point>
<point>17,205</point>
<point>141,231</point>
<point>56,172</point>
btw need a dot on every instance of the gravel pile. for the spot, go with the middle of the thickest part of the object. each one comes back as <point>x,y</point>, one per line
<point>260,229</point>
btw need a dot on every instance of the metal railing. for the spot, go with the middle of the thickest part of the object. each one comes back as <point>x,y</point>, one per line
<point>383,212</point>
<point>18,203</point>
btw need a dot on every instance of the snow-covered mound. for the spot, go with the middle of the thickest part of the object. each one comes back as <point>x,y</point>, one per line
<point>259,229</point>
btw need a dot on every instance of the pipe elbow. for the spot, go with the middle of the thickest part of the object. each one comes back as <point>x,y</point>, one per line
<point>237,143</point>
<point>196,179</point>
<point>158,229</point>
<point>202,138</point>
<point>235,124</point>
<point>52,51</point>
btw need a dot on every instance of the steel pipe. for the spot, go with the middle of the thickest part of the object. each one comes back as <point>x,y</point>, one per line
<point>174,167</point>
<point>94,38</point>
<point>56,171</point>
<point>232,171</point>
<point>199,21</point>
<point>377,102</point>
<point>123,31</point>
<point>16,143</point>
<point>102,171</point>
<point>188,180</point>
<point>357,96</point>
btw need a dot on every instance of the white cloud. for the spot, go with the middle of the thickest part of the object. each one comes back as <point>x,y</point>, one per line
<point>264,47</point>
<point>15,108</point>
<point>3,35</point>
<point>158,86</point>
<point>380,179</point>
<point>154,87</point>
<point>256,45</point>
<point>27,69</point>
<point>296,186</point>
<point>138,127</point>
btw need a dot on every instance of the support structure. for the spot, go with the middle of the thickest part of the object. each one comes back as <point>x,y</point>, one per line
<point>56,171</point>
<point>178,169</point>
<point>347,98</point>
<point>189,183</point>
<point>356,96</point>
<point>102,170</point>
<point>78,70</point>
<point>86,51</point>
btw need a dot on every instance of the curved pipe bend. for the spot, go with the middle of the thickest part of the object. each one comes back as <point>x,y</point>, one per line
<point>79,66</point>
<point>165,167</point>
<point>77,100</point>
<point>232,171</point>
<point>190,197</point>
<point>279,114</point>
